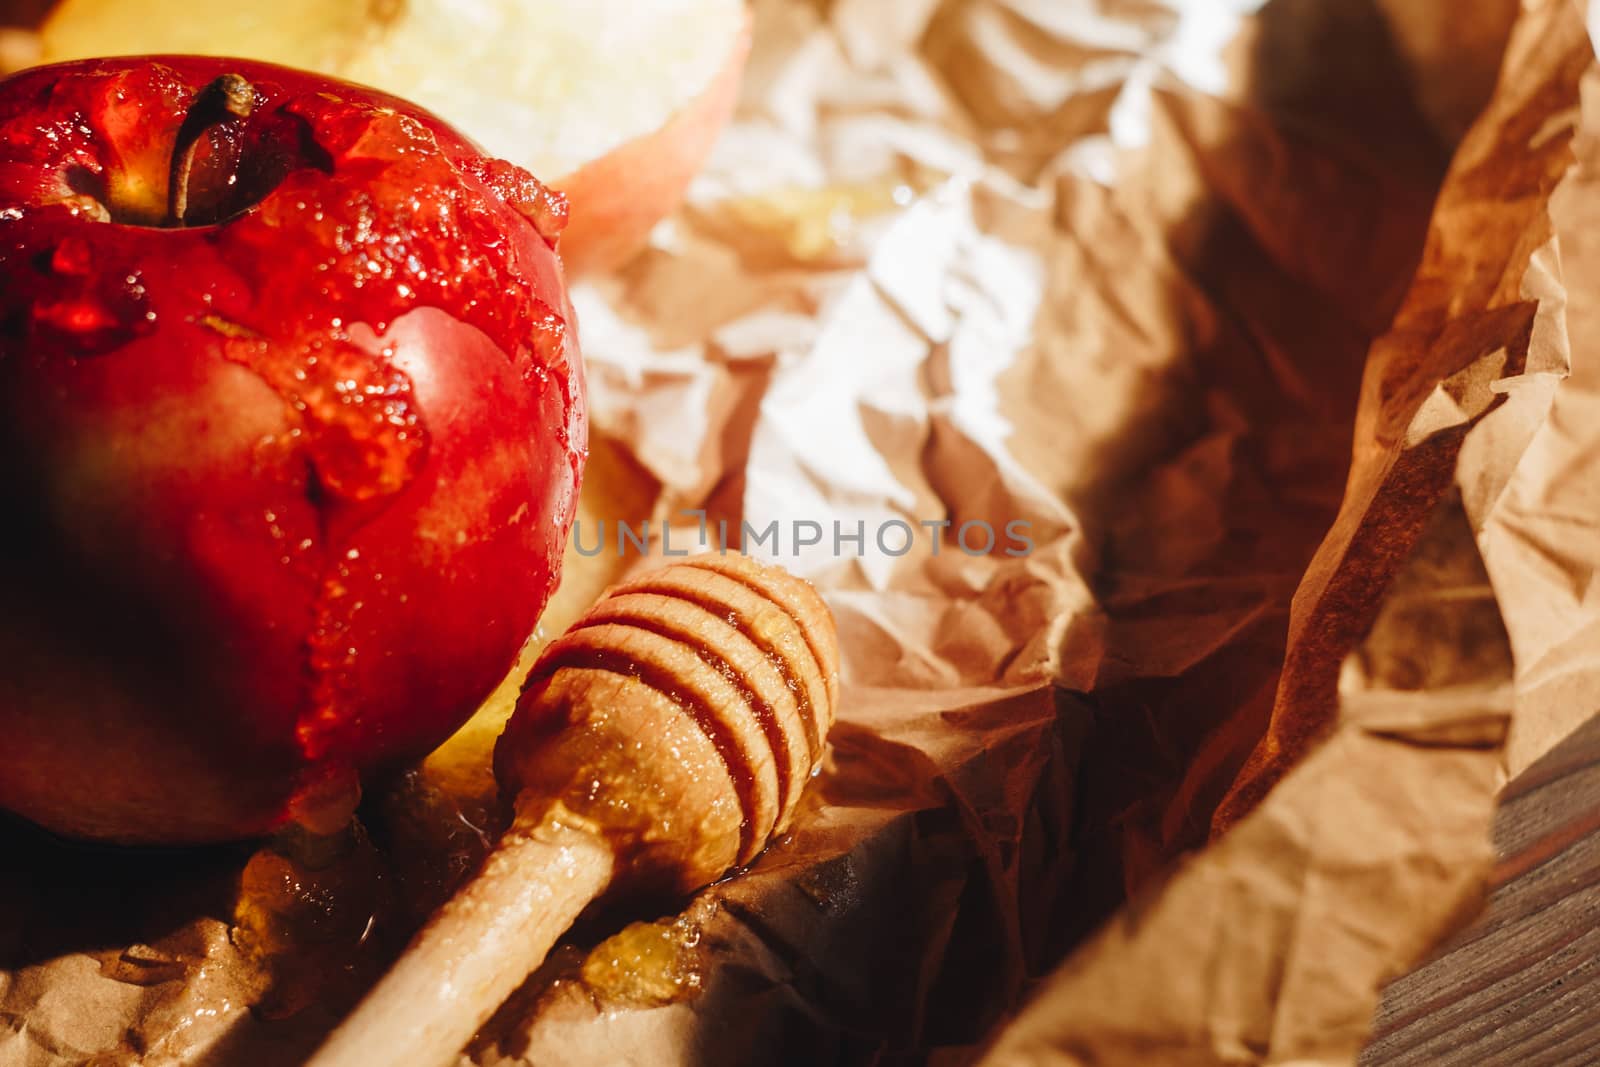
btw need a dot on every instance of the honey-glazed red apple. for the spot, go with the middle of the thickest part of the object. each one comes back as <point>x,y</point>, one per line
<point>291,428</point>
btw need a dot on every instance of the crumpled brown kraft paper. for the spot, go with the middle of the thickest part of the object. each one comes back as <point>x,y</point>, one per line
<point>1400,670</point>
<point>1267,948</point>
<point>1114,271</point>
<point>1535,519</point>
<point>1479,337</point>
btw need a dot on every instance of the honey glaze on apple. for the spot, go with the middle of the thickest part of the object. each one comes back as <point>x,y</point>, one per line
<point>379,247</point>
<point>330,241</point>
<point>82,310</point>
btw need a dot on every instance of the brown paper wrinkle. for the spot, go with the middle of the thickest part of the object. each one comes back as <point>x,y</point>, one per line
<point>1460,334</point>
<point>1292,912</point>
<point>1537,532</point>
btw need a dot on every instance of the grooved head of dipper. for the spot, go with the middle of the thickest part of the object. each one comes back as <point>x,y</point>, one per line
<point>680,717</point>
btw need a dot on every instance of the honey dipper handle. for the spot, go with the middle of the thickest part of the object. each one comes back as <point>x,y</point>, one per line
<point>475,950</point>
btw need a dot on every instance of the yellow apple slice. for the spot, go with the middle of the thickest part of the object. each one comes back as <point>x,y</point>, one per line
<point>615,102</point>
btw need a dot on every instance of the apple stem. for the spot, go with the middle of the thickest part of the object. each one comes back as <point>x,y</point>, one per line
<point>228,97</point>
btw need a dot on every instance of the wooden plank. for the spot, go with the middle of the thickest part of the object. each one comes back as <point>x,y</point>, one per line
<point>1521,985</point>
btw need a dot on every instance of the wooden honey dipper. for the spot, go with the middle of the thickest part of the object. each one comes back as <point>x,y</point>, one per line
<point>659,743</point>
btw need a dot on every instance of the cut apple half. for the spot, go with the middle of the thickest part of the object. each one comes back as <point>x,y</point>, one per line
<point>614,102</point>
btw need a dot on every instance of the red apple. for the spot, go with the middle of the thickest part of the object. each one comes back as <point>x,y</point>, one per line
<point>291,429</point>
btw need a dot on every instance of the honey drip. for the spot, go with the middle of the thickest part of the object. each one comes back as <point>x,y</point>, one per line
<point>646,965</point>
<point>305,915</point>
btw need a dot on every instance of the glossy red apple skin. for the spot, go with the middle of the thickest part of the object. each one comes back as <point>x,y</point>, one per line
<point>285,492</point>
